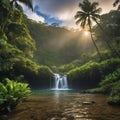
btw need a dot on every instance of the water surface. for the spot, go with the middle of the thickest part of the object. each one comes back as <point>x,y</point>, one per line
<point>65,105</point>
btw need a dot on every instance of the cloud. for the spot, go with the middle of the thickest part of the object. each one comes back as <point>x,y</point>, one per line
<point>61,10</point>
<point>106,5</point>
<point>32,15</point>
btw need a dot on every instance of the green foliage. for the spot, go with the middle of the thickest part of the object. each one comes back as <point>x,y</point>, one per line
<point>110,23</point>
<point>93,90</point>
<point>55,44</point>
<point>16,16</point>
<point>83,68</point>
<point>18,35</point>
<point>110,81</point>
<point>43,78</point>
<point>87,73</point>
<point>11,93</point>
<point>109,66</point>
<point>7,54</point>
<point>114,97</point>
<point>65,68</point>
<point>44,72</point>
<point>15,40</point>
<point>117,43</point>
<point>17,48</point>
<point>92,72</point>
<point>109,85</point>
<point>35,74</point>
<point>4,8</point>
<point>104,53</point>
<point>23,65</point>
<point>113,77</point>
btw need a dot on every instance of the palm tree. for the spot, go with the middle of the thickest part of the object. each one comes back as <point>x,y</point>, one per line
<point>16,4</point>
<point>89,13</point>
<point>116,3</point>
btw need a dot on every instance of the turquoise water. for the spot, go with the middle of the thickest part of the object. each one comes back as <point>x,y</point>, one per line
<point>52,92</point>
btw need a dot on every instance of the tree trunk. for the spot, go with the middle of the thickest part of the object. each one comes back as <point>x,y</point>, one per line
<point>94,43</point>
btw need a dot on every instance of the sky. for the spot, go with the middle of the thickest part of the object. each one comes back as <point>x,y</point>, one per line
<point>60,11</point>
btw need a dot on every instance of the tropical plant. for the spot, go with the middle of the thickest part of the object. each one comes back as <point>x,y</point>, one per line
<point>6,9</point>
<point>89,12</point>
<point>116,3</point>
<point>11,93</point>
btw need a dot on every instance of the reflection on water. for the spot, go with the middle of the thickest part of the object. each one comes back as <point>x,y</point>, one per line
<point>57,96</point>
<point>66,105</point>
<point>78,106</point>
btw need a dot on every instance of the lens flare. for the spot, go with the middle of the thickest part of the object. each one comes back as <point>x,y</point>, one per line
<point>86,33</point>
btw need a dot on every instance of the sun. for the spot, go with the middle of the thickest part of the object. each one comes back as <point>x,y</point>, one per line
<point>86,33</point>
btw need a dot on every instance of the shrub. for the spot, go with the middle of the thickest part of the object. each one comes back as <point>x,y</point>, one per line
<point>108,83</point>
<point>85,76</point>
<point>91,73</point>
<point>109,66</point>
<point>11,93</point>
<point>114,97</point>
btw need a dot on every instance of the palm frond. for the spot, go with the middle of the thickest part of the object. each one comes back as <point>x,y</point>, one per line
<point>116,2</point>
<point>80,20</point>
<point>19,7</point>
<point>28,3</point>
<point>79,14</point>
<point>97,16</point>
<point>83,23</point>
<point>85,6</point>
<point>95,19</point>
<point>119,7</point>
<point>89,22</point>
<point>94,5</point>
<point>96,11</point>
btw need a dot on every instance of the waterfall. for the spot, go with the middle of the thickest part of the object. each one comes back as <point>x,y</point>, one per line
<point>60,82</point>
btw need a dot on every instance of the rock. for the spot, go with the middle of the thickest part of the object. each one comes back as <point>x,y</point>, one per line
<point>64,118</point>
<point>88,103</point>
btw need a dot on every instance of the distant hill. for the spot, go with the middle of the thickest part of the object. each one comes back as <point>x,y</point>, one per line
<point>56,45</point>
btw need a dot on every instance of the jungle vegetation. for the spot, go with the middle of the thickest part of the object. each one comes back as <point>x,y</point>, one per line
<point>31,52</point>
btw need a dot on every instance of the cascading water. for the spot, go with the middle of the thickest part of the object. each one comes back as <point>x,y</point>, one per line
<point>61,82</point>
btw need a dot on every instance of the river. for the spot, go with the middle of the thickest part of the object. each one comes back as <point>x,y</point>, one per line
<point>65,105</point>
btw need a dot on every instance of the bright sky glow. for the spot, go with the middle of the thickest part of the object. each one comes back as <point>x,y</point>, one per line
<point>86,33</point>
